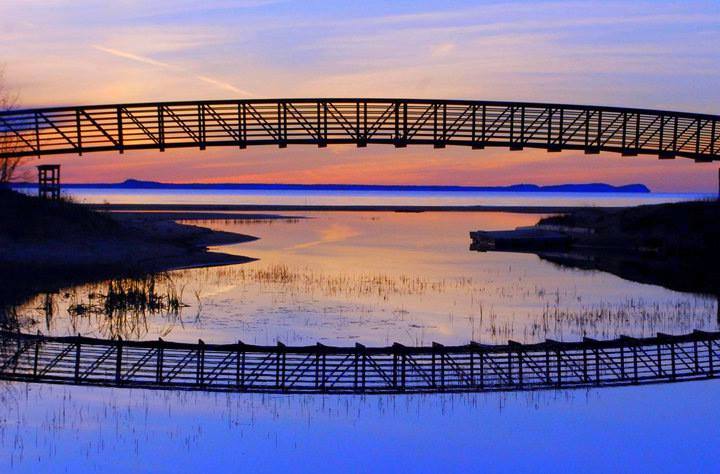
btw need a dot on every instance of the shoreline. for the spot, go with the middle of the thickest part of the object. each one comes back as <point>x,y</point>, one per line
<point>671,245</point>
<point>218,208</point>
<point>48,245</point>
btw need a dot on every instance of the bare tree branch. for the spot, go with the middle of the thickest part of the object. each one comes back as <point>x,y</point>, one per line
<point>9,167</point>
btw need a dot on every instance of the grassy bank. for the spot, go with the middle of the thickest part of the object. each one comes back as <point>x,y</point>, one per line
<point>26,218</point>
<point>687,229</point>
<point>45,245</point>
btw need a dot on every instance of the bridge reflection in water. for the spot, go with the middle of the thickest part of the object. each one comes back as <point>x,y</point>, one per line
<point>399,122</point>
<point>324,369</point>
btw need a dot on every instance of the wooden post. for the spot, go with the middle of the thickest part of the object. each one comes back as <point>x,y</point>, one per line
<point>356,377</point>
<point>118,361</point>
<point>35,362</point>
<point>710,355</point>
<point>559,367</point>
<point>77,360</point>
<point>240,366</point>
<point>433,379</point>
<point>159,368</point>
<point>597,366</point>
<point>672,358</point>
<point>280,366</point>
<point>482,370</point>
<point>635,363</point>
<point>509,368</point>
<point>520,367</point>
<point>547,367</point>
<point>200,369</point>
<point>364,368</point>
<point>472,369</point>
<point>442,369</point>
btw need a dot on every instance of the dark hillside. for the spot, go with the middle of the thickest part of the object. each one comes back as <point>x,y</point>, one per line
<point>681,229</point>
<point>24,217</point>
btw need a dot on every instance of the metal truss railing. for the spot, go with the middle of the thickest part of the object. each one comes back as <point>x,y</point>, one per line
<point>399,122</point>
<point>324,369</point>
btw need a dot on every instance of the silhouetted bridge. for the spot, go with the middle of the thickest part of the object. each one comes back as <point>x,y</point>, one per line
<point>399,122</point>
<point>323,369</point>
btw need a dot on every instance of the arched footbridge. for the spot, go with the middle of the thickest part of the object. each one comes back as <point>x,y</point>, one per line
<point>324,369</point>
<point>398,122</point>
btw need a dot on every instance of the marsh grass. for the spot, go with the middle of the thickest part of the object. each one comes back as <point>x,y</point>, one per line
<point>121,307</point>
<point>308,280</point>
<point>296,303</point>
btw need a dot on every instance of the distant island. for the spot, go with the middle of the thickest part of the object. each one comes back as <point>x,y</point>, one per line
<point>524,188</point>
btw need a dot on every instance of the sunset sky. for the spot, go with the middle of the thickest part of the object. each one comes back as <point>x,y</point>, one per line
<point>651,54</point>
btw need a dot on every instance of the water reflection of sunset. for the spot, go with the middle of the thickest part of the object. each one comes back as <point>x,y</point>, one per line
<point>382,277</point>
<point>341,278</point>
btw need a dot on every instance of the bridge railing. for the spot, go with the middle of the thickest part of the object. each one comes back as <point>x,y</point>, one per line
<point>324,369</point>
<point>399,122</point>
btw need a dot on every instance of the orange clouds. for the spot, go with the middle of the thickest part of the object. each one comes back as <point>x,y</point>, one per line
<point>654,54</point>
<point>386,165</point>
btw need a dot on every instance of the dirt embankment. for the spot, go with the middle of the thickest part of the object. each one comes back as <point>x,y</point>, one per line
<point>672,245</point>
<point>46,235</point>
<point>687,229</point>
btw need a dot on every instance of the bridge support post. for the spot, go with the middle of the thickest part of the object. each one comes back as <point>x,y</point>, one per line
<point>280,366</point>
<point>77,360</point>
<point>240,366</point>
<point>200,369</point>
<point>160,356</point>
<point>118,361</point>
<point>37,354</point>
<point>358,375</point>
<point>438,348</point>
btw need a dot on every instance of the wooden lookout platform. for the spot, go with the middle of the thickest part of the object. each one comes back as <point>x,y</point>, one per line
<point>49,181</point>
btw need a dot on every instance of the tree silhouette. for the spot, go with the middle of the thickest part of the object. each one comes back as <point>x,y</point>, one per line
<point>8,142</point>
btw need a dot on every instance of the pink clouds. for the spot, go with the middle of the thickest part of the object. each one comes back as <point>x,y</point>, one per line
<point>387,165</point>
<point>655,54</point>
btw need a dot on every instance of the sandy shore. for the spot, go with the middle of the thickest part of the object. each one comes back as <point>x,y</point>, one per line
<point>143,242</point>
<point>138,243</point>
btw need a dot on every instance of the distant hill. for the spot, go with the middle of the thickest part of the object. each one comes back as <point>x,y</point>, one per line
<point>525,188</point>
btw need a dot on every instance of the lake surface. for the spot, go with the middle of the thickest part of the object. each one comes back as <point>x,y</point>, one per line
<point>374,278</point>
<point>366,198</point>
<point>378,278</point>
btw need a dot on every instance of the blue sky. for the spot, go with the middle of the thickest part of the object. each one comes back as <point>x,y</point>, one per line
<point>654,54</point>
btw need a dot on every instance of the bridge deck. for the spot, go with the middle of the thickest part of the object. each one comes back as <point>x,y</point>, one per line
<point>398,122</point>
<point>323,369</point>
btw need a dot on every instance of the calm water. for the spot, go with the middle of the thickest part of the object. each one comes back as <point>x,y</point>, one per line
<point>379,278</point>
<point>666,428</point>
<point>367,198</point>
<point>374,278</point>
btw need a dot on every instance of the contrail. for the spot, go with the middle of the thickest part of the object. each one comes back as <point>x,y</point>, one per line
<point>164,65</point>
